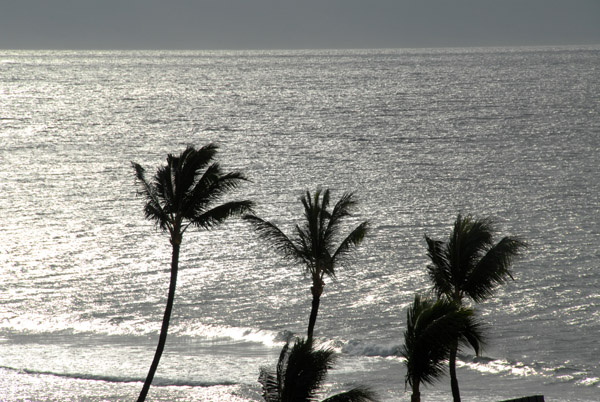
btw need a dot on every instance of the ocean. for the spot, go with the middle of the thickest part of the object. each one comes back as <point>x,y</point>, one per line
<point>418,135</point>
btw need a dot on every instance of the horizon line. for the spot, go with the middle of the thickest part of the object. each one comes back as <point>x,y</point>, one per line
<point>258,49</point>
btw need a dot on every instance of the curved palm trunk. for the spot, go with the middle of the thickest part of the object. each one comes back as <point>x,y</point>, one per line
<point>165,324</point>
<point>453,379</point>
<point>316,290</point>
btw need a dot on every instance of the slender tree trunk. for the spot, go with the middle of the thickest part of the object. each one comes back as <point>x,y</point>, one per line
<point>416,395</point>
<point>453,352</point>
<point>316,290</point>
<point>162,339</point>
<point>453,379</point>
<point>313,317</point>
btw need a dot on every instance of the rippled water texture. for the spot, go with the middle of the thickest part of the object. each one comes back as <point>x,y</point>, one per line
<point>419,135</point>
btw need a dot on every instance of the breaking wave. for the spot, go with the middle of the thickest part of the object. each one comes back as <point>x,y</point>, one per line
<point>383,349</point>
<point>157,382</point>
<point>67,324</point>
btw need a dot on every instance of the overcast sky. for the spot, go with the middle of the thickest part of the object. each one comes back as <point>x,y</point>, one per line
<point>292,24</point>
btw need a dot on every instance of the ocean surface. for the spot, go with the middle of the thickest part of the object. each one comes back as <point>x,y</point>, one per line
<point>418,134</point>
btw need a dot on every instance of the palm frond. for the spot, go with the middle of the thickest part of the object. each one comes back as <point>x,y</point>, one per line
<point>439,270</point>
<point>468,241</point>
<point>282,366</point>
<point>305,371</point>
<point>351,241</point>
<point>187,167</point>
<point>493,268</point>
<point>324,219</point>
<point>201,157</point>
<point>209,189</point>
<point>270,385</point>
<point>197,196</point>
<point>358,394</point>
<point>473,334</point>
<point>225,183</point>
<point>340,210</point>
<point>307,203</point>
<point>272,234</point>
<point>165,186</point>
<point>153,209</point>
<point>310,231</point>
<point>220,213</point>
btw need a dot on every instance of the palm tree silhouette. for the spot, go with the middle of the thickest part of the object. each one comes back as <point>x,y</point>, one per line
<point>182,194</point>
<point>432,329</point>
<point>470,265</point>
<point>300,373</point>
<point>314,242</point>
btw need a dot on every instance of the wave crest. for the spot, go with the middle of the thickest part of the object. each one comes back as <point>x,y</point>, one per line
<point>68,324</point>
<point>158,381</point>
<point>359,348</point>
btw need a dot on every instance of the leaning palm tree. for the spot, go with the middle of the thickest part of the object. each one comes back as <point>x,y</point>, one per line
<point>300,373</point>
<point>181,194</point>
<point>314,242</point>
<point>470,265</point>
<point>432,328</point>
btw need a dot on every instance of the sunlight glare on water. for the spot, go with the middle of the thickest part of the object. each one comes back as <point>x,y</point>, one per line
<point>418,135</point>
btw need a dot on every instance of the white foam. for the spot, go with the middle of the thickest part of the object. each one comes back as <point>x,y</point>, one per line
<point>268,338</point>
<point>65,323</point>
<point>383,349</point>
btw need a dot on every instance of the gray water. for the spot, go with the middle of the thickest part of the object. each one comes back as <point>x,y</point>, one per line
<point>419,135</point>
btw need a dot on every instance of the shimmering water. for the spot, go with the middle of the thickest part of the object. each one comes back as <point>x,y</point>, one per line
<point>419,135</point>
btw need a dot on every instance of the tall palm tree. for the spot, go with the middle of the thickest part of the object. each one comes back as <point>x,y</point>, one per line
<point>300,373</point>
<point>314,242</point>
<point>432,328</point>
<point>470,265</point>
<point>181,194</point>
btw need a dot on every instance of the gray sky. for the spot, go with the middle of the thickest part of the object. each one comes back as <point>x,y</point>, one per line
<point>289,24</point>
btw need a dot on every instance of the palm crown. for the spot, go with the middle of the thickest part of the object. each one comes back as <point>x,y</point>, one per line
<point>469,263</point>
<point>181,194</point>
<point>432,328</point>
<point>300,373</point>
<point>314,240</point>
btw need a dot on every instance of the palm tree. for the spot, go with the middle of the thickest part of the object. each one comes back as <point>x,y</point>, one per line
<point>432,328</point>
<point>314,242</point>
<point>182,194</point>
<point>470,265</point>
<point>300,373</point>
